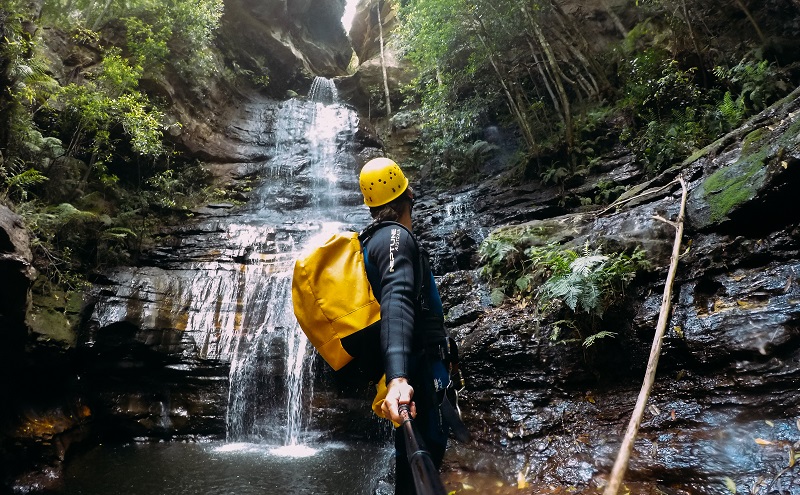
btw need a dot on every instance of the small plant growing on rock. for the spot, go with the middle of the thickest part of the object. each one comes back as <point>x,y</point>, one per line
<point>557,278</point>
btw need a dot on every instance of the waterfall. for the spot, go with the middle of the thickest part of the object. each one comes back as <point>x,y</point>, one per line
<point>323,91</point>
<point>311,161</point>
<point>227,292</point>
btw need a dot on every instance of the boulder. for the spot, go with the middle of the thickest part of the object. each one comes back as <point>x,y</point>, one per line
<point>287,39</point>
<point>365,90</point>
<point>364,32</point>
<point>17,274</point>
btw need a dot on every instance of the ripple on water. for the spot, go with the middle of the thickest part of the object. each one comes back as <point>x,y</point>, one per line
<point>240,468</point>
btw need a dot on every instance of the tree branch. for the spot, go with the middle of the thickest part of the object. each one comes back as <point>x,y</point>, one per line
<point>621,464</point>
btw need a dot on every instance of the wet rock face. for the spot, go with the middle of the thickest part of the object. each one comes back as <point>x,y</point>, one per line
<point>728,371</point>
<point>290,40</point>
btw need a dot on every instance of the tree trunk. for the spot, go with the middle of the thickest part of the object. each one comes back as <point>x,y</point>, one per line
<point>576,43</point>
<point>98,21</point>
<point>383,61</point>
<point>557,78</point>
<point>694,41</point>
<point>746,11</point>
<point>541,66</point>
<point>615,19</point>
<point>519,113</point>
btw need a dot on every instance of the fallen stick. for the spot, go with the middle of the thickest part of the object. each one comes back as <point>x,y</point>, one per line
<point>621,464</point>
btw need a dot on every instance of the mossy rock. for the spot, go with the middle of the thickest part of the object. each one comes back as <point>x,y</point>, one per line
<point>54,316</point>
<point>751,142</point>
<point>734,185</point>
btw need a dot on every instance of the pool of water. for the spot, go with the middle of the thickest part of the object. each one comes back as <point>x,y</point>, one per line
<point>228,469</point>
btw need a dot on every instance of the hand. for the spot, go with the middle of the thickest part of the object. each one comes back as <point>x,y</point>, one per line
<point>398,391</point>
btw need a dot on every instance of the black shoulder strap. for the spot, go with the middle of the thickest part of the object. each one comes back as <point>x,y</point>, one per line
<point>421,287</point>
<point>370,229</point>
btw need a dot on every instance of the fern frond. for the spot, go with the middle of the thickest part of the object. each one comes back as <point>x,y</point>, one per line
<point>585,265</point>
<point>588,341</point>
<point>117,233</point>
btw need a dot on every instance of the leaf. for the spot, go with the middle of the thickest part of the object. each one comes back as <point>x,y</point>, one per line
<point>761,441</point>
<point>497,297</point>
<point>731,485</point>
<point>599,335</point>
<point>586,264</point>
<point>521,481</point>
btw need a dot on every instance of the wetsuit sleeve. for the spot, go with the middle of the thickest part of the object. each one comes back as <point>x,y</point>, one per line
<point>394,253</point>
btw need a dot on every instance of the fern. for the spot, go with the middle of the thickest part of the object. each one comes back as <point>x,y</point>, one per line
<point>732,111</point>
<point>587,264</point>
<point>22,182</point>
<point>590,340</point>
<point>117,234</point>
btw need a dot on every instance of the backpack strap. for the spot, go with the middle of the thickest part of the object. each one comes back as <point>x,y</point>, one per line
<point>374,278</point>
<point>434,338</point>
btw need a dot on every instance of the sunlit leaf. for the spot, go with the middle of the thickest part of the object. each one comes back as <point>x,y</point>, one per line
<point>761,441</point>
<point>521,481</point>
<point>730,484</point>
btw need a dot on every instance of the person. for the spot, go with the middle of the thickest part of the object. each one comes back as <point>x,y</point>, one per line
<point>413,341</point>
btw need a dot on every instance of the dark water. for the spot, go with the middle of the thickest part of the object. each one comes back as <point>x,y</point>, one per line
<point>223,469</point>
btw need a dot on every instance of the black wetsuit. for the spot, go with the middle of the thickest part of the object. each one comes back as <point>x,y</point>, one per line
<point>411,336</point>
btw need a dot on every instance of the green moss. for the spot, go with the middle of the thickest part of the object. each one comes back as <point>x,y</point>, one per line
<point>790,137</point>
<point>740,181</point>
<point>734,184</point>
<point>751,140</point>
<point>54,316</point>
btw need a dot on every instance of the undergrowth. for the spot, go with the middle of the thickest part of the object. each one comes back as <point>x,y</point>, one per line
<point>583,283</point>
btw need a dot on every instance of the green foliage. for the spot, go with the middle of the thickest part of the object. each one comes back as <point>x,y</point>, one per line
<point>17,184</point>
<point>667,108</point>
<point>449,126</point>
<point>732,111</point>
<point>117,76</point>
<point>100,129</point>
<point>147,43</point>
<point>670,113</point>
<point>555,277</point>
<point>588,282</point>
<point>166,188</point>
<point>756,84</point>
<point>461,51</point>
<point>175,32</point>
<point>93,112</point>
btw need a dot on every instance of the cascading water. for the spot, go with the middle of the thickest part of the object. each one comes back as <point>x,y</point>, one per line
<point>220,293</point>
<point>311,160</point>
<point>233,302</point>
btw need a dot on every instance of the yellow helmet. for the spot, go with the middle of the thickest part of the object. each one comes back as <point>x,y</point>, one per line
<point>381,181</point>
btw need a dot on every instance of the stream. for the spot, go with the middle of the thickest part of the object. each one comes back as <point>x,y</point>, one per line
<point>227,468</point>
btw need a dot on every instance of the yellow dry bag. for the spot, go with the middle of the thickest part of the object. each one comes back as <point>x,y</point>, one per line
<point>332,297</point>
